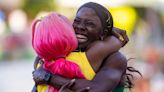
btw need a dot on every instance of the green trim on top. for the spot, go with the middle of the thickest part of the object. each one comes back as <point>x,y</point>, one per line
<point>121,89</point>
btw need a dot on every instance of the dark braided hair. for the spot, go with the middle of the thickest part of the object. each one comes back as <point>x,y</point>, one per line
<point>128,77</point>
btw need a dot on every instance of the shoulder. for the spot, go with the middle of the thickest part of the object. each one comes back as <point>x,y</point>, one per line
<point>117,56</point>
<point>116,61</point>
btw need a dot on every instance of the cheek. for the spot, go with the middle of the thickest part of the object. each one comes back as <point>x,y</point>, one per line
<point>73,25</point>
<point>93,35</point>
<point>93,31</point>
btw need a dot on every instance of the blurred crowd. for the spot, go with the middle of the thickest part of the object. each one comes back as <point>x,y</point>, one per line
<point>144,24</point>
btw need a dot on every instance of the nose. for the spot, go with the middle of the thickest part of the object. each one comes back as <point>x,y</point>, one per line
<point>79,26</point>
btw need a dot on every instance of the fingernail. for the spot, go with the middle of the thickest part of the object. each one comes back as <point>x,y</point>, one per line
<point>73,80</point>
<point>88,88</point>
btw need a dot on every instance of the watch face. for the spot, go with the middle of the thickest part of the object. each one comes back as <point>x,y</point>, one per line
<point>47,77</point>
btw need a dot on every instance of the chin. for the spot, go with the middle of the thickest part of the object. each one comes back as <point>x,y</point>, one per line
<point>82,45</point>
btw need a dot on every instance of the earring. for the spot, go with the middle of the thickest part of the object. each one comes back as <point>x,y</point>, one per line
<point>105,31</point>
<point>102,38</point>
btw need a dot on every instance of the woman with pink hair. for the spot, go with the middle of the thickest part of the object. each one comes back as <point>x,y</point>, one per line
<point>53,38</point>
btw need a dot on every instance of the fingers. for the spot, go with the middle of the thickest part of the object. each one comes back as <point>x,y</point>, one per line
<point>84,89</point>
<point>121,35</point>
<point>72,82</point>
<point>68,85</point>
<point>125,37</point>
<point>38,76</point>
<point>115,33</point>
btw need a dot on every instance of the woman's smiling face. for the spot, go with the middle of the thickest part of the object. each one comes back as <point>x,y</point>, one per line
<point>87,26</point>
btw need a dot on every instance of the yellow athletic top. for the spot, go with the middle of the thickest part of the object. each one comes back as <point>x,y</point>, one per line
<point>80,59</point>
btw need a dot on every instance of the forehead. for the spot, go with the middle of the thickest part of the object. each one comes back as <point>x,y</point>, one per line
<point>87,13</point>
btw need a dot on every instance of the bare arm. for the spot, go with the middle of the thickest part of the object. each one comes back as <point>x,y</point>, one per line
<point>104,48</point>
<point>112,71</point>
<point>101,49</point>
<point>109,45</point>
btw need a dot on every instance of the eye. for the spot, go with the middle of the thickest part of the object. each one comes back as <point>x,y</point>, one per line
<point>90,24</point>
<point>76,21</point>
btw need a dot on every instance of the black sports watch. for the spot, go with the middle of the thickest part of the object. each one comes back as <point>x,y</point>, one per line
<point>47,77</point>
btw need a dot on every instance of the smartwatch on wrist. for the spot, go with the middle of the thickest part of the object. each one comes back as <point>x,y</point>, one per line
<point>47,77</point>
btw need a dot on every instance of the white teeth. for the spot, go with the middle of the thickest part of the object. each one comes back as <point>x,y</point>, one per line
<point>81,36</point>
<point>82,40</point>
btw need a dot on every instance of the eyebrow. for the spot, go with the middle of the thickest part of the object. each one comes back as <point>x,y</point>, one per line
<point>86,19</point>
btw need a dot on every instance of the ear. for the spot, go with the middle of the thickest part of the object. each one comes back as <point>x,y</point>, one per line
<point>105,32</point>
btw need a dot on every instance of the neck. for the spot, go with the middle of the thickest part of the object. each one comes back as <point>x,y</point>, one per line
<point>80,49</point>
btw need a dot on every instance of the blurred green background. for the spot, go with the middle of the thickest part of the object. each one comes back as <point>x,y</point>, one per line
<point>142,19</point>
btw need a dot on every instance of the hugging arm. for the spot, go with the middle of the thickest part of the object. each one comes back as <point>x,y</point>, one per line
<point>111,72</point>
<point>102,49</point>
<point>99,50</point>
